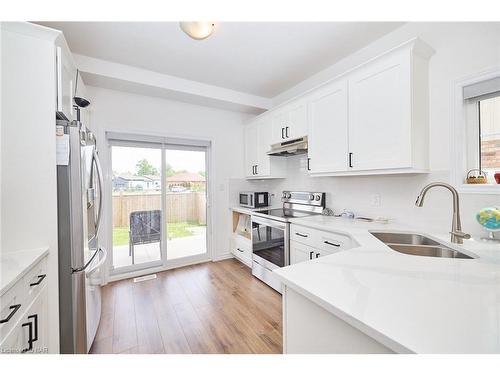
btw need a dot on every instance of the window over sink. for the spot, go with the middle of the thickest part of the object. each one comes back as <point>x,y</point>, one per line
<point>489,137</point>
<point>477,132</point>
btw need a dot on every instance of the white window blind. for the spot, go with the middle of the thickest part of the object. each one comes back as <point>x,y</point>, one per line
<point>482,88</point>
<point>139,140</point>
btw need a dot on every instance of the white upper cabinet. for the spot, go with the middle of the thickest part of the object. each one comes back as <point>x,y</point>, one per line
<point>328,129</point>
<point>371,120</point>
<point>380,114</point>
<point>257,163</point>
<point>374,120</point>
<point>289,123</point>
<point>250,149</point>
<point>65,81</point>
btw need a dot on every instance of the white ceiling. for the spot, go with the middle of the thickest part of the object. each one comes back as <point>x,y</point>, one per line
<point>259,58</point>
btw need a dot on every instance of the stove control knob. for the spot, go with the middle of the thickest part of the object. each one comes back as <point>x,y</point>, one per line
<point>311,197</point>
<point>318,197</point>
<point>283,195</point>
<point>288,195</point>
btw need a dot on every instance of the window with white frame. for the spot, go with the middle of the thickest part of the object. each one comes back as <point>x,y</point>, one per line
<point>482,133</point>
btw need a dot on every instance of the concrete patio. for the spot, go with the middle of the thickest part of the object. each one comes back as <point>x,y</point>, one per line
<point>176,248</point>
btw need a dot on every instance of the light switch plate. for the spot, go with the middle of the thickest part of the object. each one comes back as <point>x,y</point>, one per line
<point>375,200</point>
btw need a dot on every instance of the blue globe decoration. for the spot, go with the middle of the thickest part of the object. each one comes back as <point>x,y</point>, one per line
<point>489,218</point>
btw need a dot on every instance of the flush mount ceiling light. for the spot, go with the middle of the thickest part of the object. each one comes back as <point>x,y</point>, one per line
<point>198,30</point>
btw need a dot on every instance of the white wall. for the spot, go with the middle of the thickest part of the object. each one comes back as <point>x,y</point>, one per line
<point>462,49</point>
<point>120,111</point>
<point>28,174</point>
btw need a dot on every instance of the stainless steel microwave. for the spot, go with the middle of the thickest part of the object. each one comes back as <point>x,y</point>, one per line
<point>253,199</point>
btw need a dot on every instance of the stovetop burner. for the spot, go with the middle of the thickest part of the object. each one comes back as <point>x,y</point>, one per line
<point>296,204</point>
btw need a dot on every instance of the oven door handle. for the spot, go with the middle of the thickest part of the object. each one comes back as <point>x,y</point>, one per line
<point>268,222</point>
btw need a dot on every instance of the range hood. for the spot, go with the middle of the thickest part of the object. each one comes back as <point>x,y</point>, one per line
<point>289,148</point>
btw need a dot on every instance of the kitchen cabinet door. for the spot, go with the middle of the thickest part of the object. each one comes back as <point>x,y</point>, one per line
<point>300,252</point>
<point>279,123</point>
<point>263,146</point>
<point>65,81</point>
<point>380,113</point>
<point>251,148</point>
<point>328,129</point>
<point>297,117</point>
<point>38,316</point>
<point>32,328</point>
<point>289,123</point>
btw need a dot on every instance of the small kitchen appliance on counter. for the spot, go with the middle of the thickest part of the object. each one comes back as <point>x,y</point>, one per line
<point>271,232</point>
<point>252,199</point>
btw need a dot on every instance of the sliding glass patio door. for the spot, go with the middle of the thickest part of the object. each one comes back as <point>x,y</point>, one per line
<point>158,202</point>
<point>186,201</point>
<point>137,200</point>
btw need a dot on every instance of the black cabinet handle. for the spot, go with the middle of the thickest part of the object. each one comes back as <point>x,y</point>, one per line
<point>282,133</point>
<point>40,279</point>
<point>14,309</point>
<point>30,337</point>
<point>286,131</point>
<point>350,159</point>
<point>256,170</point>
<point>308,164</point>
<point>332,244</point>
<point>35,320</point>
<point>317,255</point>
<point>301,235</point>
<point>311,254</point>
<point>239,250</point>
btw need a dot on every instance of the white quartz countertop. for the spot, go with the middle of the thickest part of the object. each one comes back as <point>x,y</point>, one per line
<point>408,303</point>
<point>14,265</point>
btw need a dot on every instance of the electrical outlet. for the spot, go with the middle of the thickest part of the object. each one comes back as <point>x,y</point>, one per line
<point>375,200</point>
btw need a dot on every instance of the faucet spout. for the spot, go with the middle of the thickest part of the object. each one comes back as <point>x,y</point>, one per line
<point>457,235</point>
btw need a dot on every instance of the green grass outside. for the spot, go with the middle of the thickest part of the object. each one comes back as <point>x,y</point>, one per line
<point>174,230</point>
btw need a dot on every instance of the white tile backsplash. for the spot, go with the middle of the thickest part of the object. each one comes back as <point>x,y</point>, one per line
<point>396,194</point>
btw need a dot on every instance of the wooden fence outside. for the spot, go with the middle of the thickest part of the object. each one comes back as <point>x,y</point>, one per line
<point>181,207</point>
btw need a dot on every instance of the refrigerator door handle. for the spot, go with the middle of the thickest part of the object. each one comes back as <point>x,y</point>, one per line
<point>80,269</point>
<point>100,262</point>
<point>95,158</point>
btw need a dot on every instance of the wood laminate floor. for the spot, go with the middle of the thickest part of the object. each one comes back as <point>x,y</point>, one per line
<point>206,308</point>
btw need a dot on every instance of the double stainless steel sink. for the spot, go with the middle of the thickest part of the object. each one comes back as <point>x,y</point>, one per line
<point>417,244</point>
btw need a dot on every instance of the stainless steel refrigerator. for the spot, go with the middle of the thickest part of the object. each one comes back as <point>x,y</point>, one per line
<point>81,259</point>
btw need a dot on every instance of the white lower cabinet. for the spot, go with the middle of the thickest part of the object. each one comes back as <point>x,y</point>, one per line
<point>308,243</point>
<point>310,329</point>
<point>241,247</point>
<point>24,325</point>
<point>300,252</point>
<point>30,333</point>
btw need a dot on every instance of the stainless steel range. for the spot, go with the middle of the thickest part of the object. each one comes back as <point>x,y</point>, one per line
<point>271,232</point>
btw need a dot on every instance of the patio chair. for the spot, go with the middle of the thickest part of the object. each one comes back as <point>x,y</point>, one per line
<point>145,227</point>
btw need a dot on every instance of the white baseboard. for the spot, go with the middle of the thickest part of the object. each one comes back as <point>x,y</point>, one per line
<point>220,257</point>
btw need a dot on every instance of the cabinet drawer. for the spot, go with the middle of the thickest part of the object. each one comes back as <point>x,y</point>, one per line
<point>12,307</point>
<point>332,242</point>
<point>35,279</point>
<point>323,241</point>
<point>303,235</point>
<point>241,247</point>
